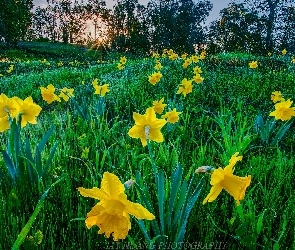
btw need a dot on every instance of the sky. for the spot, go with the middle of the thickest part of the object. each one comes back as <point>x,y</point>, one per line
<point>213,15</point>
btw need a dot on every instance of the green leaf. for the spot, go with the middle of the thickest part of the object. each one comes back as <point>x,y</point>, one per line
<point>29,159</point>
<point>161,198</point>
<point>276,246</point>
<point>49,160</point>
<point>242,229</point>
<point>80,110</point>
<point>29,224</point>
<point>45,138</point>
<point>175,184</point>
<point>179,204</point>
<point>260,127</point>
<point>259,224</point>
<point>281,132</point>
<point>187,209</point>
<point>143,229</point>
<point>38,163</point>
<point>10,166</point>
<point>146,199</point>
<point>78,219</point>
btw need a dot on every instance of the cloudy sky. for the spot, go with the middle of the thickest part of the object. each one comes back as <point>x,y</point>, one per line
<point>217,6</point>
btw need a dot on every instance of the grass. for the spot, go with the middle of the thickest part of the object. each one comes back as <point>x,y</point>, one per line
<point>217,120</point>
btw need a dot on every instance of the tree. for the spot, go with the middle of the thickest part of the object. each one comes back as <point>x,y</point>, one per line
<point>288,39</point>
<point>270,12</point>
<point>15,18</point>
<point>176,24</point>
<point>238,29</point>
<point>127,27</point>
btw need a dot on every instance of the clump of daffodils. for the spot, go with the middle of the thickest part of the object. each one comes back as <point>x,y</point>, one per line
<point>49,96</point>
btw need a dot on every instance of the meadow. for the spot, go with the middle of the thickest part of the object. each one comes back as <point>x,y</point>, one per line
<point>78,138</point>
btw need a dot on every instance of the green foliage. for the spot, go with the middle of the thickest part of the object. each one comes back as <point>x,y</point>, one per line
<point>196,140</point>
<point>24,169</point>
<point>173,212</point>
<point>15,17</point>
<point>37,238</point>
<point>267,132</point>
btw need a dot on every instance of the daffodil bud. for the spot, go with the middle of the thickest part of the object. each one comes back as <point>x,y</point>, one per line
<point>128,184</point>
<point>205,169</point>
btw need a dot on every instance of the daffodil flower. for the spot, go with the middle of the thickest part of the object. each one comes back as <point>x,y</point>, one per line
<point>111,213</point>
<point>225,179</point>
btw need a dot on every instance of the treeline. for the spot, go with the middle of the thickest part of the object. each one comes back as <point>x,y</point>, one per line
<point>253,26</point>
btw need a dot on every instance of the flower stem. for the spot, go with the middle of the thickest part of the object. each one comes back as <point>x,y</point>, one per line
<point>152,160</point>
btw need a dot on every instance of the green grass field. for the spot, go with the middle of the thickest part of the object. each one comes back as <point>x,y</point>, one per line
<point>219,117</point>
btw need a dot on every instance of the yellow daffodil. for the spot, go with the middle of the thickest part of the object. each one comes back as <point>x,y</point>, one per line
<point>195,58</point>
<point>203,55</point>
<point>253,64</point>
<point>158,66</point>
<point>283,110</point>
<point>155,77</point>
<point>10,69</point>
<point>170,52</point>
<point>29,110</point>
<point>173,56</point>
<point>120,66</point>
<point>224,178</point>
<point>111,213</point>
<point>269,53</point>
<point>95,82</point>
<point>147,126</point>
<point>59,64</point>
<point>66,93</point>
<point>186,87</point>
<point>284,51</point>
<point>155,55</point>
<point>123,60</point>
<point>48,94</point>
<point>276,96</point>
<point>183,56</point>
<point>197,70</point>
<point>7,105</point>
<point>159,106</point>
<point>293,60</point>
<point>185,65</point>
<point>101,90</point>
<point>172,116</point>
<point>198,79</point>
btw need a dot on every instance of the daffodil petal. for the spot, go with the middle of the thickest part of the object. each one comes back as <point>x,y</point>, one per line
<point>137,210</point>
<point>214,192</point>
<point>112,185</point>
<point>94,192</point>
